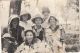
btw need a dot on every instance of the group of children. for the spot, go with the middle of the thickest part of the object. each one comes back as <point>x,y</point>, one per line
<point>33,35</point>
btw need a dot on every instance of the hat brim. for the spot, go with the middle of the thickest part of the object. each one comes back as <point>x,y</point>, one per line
<point>29,16</point>
<point>33,20</point>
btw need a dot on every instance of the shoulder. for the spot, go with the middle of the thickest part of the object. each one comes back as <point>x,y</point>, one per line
<point>21,23</point>
<point>22,44</point>
<point>37,40</point>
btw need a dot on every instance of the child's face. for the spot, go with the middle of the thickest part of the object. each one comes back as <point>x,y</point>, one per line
<point>15,24</point>
<point>46,14</point>
<point>38,21</point>
<point>25,18</point>
<point>52,21</point>
<point>29,36</point>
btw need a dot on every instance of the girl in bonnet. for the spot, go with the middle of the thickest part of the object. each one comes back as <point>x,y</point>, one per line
<point>15,30</point>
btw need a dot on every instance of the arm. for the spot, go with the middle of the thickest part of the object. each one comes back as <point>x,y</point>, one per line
<point>23,35</point>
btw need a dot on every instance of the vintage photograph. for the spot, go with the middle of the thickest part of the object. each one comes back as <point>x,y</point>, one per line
<point>40,26</point>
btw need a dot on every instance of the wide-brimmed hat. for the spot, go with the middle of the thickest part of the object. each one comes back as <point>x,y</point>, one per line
<point>26,14</point>
<point>37,17</point>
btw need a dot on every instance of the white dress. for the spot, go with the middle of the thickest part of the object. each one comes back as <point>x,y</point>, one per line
<point>38,47</point>
<point>23,48</point>
<point>53,39</point>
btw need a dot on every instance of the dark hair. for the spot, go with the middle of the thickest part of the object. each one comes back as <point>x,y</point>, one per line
<point>53,18</point>
<point>33,20</point>
<point>27,14</point>
<point>13,20</point>
<point>29,31</point>
<point>34,37</point>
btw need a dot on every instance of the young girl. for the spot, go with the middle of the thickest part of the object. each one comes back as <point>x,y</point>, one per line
<point>53,35</point>
<point>25,21</point>
<point>15,30</point>
<point>32,44</point>
<point>37,28</point>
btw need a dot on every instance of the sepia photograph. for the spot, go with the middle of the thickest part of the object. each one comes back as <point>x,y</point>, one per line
<point>40,26</point>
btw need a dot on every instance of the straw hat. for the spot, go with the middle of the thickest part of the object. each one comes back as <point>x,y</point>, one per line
<point>37,17</point>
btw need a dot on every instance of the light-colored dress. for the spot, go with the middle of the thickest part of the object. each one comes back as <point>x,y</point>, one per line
<point>53,39</point>
<point>38,47</point>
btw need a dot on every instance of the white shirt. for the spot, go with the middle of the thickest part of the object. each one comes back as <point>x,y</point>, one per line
<point>27,25</point>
